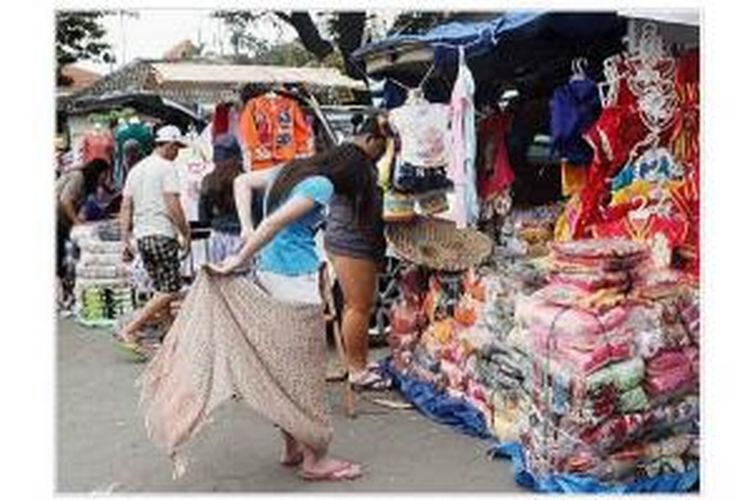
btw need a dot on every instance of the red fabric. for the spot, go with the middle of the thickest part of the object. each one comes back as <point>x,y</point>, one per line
<point>497,174</point>
<point>220,123</point>
<point>670,371</point>
<point>614,135</point>
<point>674,228</point>
<point>98,144</point>
<point>686,201</point>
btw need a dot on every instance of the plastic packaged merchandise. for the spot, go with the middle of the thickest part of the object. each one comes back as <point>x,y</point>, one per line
<point>592,367</point>
<point>443,334</point>
<point>613,384</point>
<point>104,289</point>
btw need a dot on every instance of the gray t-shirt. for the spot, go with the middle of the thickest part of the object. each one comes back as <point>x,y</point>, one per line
<point>69,186</point>
<point>147,183</point>
<point>343,235</point>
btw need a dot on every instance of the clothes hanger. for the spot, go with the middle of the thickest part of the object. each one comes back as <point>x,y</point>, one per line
<point>415,96</point>
<point>576,70</point>
<point>272,92</point>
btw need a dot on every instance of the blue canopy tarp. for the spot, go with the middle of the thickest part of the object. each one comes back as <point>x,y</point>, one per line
<point>481,37</point>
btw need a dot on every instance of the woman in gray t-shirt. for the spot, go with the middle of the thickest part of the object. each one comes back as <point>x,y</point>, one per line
<point>356,246</point>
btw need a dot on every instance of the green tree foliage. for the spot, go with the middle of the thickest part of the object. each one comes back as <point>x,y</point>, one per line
<point>416,22</point>
<point>79,36</point>
<point>329,37</point>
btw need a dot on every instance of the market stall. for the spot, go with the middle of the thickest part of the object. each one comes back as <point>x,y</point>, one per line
<point>567,330</point>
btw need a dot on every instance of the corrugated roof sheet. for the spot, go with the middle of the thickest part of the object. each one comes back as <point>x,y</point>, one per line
<point>230,73</point>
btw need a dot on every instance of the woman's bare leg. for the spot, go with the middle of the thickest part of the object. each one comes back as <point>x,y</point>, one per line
<point>358,280</point>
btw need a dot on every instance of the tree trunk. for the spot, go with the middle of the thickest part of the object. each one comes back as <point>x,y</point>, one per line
<point>308,33</point>
<point>351,29</point>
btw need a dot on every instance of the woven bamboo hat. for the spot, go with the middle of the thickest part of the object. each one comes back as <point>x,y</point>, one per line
<point>438,244</point>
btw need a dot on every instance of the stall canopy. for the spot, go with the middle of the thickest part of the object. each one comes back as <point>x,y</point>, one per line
<point>494,32</point>
<point>143,103</point>
<point>527,48</point>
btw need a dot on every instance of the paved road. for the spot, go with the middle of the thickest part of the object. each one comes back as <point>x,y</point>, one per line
<point>102,446</point>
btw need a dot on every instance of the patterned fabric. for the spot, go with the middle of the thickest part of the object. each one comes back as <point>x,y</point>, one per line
<point>232,338</point>
<point>222,245</point>
<point>423,132</point>
<point>274,130</point>
<point>573,178</point>
<point>161,259</point>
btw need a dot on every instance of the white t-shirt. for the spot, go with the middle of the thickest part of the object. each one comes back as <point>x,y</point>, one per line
<point>146,183</point>
<point>423,130</point>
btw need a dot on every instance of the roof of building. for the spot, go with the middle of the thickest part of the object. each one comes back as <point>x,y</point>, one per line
<point>191,72</point>
<point>195,81</point>
<point>80,78</point>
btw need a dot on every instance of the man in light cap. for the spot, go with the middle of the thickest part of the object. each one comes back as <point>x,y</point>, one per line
<point>152,213</point>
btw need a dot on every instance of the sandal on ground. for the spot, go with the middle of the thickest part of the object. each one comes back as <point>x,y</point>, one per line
<point>346,472</point>
<point>370,380</point>
<point>132,348</point>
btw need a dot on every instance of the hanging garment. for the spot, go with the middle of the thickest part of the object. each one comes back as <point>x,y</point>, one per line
<point>495,174</point>
<point>98,143</point>
<point>422,128</point>
<point>573,178</point>
<point>138,131</point>
<point>384,165</point>
<point>232,338</point>
<point>220,121</point>
<point>655,165</point>
<point>614,135</point>
<point>462,169</point>
<point>685,140</point>
<point>275,131</point>
<point>575,106</point>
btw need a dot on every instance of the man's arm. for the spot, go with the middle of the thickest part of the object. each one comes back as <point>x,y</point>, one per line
<point>70,193</point>
<point>171,193</point>
<point>70,211</point>
<point>126,226</point>
<point>176,214</point>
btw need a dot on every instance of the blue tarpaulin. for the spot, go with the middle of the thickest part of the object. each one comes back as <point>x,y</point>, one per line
<point>480,37</point>
<point>572,483</point>
<point>438,406</point>
<point>463,417</point>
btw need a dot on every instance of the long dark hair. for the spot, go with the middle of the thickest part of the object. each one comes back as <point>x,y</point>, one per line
<point>92,171</point>
<point>348,168</point>
<point>219,184</point>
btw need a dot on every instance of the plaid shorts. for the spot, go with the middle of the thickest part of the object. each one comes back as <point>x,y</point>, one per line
<point>160,255</point>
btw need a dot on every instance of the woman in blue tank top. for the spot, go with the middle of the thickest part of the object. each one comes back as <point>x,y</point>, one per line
<point>288,262</point>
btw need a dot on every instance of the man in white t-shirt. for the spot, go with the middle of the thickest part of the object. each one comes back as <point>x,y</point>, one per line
<point>151,212</point>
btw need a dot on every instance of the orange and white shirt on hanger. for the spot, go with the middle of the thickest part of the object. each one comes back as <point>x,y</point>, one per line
<point>275,131</point>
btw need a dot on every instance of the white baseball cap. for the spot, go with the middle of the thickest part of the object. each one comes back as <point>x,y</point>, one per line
<point>170,133</point>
